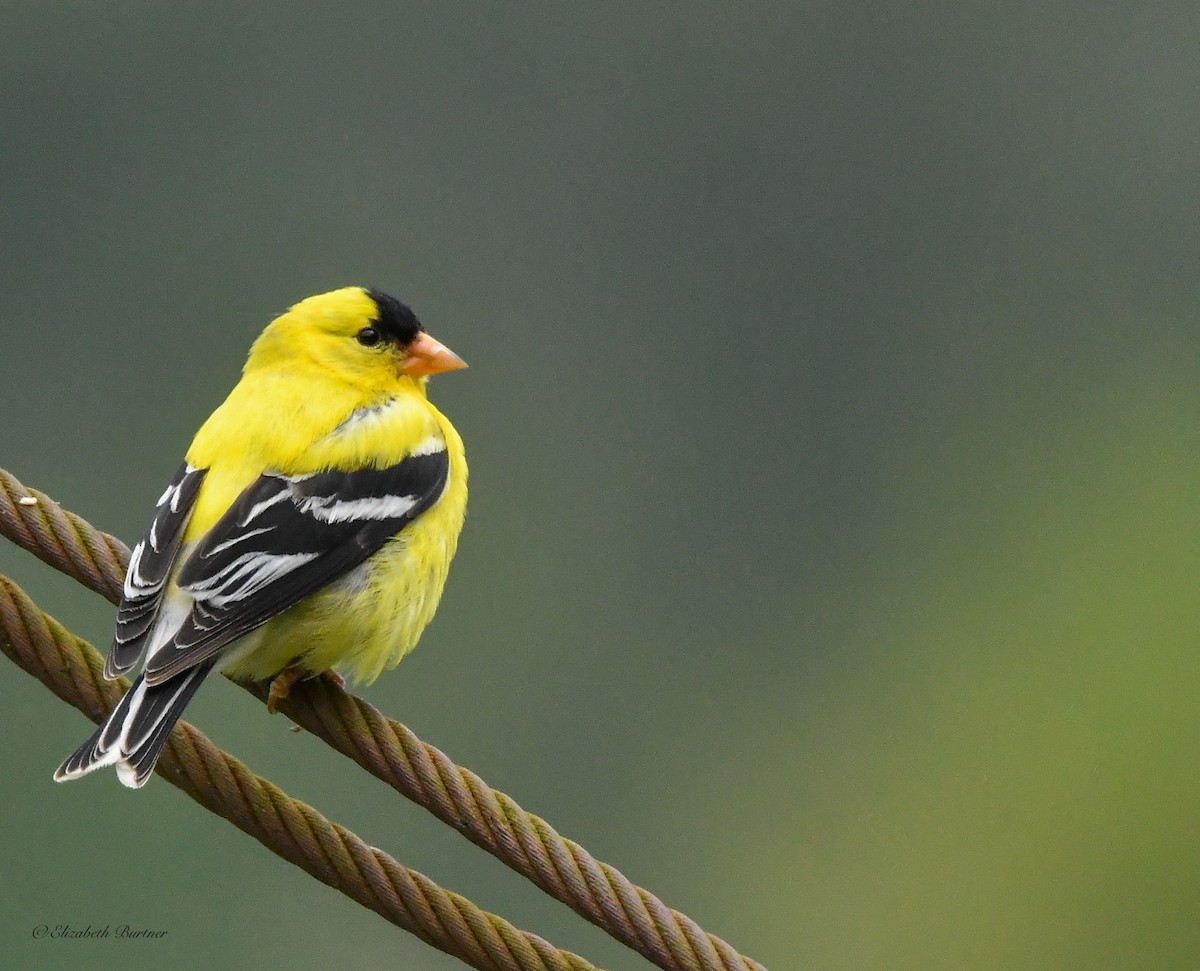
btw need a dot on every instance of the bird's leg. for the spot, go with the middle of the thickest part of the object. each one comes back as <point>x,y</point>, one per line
<point>281,685</point>
<point>285,680</point>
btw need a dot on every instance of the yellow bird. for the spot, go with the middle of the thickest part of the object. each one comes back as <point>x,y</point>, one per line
<point>309,529</point>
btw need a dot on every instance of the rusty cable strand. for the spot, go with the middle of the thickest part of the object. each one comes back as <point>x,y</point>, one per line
<point>72,669</point>
<point>492,820</point>
<point>69,543</point>
<point>419,771</point>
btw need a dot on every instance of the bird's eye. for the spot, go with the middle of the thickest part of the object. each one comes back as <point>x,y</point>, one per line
<point>368,337</point>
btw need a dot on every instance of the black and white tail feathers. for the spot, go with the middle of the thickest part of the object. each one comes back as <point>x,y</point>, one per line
<point>133,736</point>
<point>135,732</point>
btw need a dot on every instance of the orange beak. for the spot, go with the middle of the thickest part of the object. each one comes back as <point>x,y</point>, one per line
<point>428,356</point>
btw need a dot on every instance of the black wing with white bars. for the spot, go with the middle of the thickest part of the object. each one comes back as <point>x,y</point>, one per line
<point>284,538</point>
<point>149,566</point>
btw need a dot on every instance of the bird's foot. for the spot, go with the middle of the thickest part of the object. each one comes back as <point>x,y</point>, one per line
<point>281,686</point>
<point>285,680</point>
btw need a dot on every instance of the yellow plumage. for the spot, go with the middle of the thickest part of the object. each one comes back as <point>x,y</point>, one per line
<point>336,385</point>
<point>282,416</point>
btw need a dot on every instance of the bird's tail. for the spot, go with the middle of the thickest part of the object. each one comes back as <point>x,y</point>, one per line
<point>135,733</point>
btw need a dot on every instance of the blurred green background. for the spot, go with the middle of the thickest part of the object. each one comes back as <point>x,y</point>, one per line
<point>832,415</point>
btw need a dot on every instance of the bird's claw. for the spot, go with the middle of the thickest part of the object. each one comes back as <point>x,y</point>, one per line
<point>285,680</point>
<point>281,686</point>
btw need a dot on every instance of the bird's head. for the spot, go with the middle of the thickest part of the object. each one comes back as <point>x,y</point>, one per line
<point>361,336</point>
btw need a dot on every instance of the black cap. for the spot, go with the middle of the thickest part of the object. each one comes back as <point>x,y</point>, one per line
<point>396,321</point>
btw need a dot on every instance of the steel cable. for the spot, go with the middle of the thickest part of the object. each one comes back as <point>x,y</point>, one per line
<point>72,669</point>
<point>419,771</point>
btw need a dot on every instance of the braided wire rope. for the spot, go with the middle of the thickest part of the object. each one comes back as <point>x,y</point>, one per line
<point>419,771</point>
<point>72,669</point>
<point>67,542</point>
<point>492,820</point>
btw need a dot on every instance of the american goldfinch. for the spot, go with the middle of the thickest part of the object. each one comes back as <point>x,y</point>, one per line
<point>309,529</point>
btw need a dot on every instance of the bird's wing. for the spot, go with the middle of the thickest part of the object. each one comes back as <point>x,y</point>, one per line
<point>149,567</point>
<point>286,537</point>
